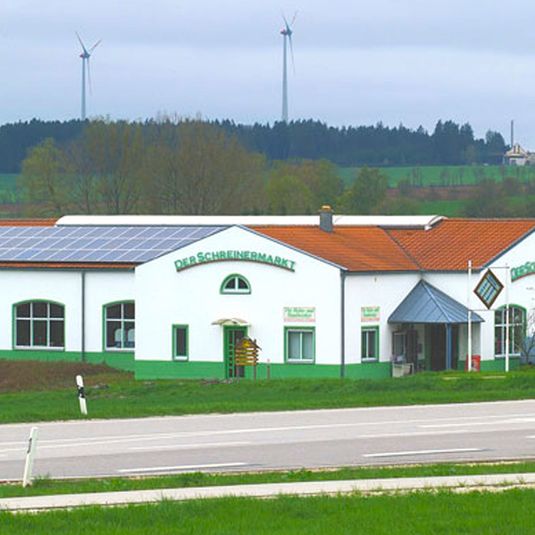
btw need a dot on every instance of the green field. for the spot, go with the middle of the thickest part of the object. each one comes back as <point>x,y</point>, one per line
<point>47,486</point>
<point>121,396</point>
<point>508,512</point>
<point>444,175</point>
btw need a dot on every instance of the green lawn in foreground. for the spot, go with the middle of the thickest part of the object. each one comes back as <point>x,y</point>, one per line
<point>46,486</point>
<point>126,397</point>
<point>508,512</point>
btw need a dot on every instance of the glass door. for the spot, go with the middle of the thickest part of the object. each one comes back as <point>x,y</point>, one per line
<point>232,336</point>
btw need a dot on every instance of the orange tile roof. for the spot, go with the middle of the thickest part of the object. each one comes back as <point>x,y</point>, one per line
<point>27,222</point>
<point>355,248</point>
<point>451,243</point>
<point>446,247</point>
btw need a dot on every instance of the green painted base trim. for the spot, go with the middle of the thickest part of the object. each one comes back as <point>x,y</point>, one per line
<point>120,361</point>
<point>160,369</point>
<point>494,365</point>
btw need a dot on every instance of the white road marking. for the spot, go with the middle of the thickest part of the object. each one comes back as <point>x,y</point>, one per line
<point>182,467</point>
<point>201,445</point>
<point>420,452</point>
<point>462,424</point>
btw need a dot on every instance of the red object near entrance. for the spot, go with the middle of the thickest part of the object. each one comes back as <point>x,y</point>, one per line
<point>476,363</point>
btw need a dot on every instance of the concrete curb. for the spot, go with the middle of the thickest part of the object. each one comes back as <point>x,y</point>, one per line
<point>308,488</point>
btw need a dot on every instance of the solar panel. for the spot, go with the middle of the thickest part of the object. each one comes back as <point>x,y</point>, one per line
<point>125,244</point>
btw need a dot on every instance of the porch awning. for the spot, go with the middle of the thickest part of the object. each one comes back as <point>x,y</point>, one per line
<point>224,322</point>
<point>427,304</point>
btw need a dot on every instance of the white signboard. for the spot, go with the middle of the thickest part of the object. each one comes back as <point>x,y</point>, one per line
<point>299,314</point>
<point>370,314</point>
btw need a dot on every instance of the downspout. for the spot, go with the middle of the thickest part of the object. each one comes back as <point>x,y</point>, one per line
<point>82,315</point>
<point>343,323</point>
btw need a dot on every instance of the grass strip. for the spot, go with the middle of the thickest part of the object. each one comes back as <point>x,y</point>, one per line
<point>47,486</point>
<point>415,513</point>
<point>123,397</point>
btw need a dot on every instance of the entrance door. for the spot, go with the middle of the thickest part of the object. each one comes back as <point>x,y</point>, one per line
<point>438,347</point>
<point>232,335</point>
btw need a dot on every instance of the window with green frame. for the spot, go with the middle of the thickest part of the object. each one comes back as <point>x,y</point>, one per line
<point>180,342</point>
<point>235,284</point>
<point>120,326</point>
<point>39,325</point>
<point>300,344</point>
<point>517,330</point>
<point>369,343</point>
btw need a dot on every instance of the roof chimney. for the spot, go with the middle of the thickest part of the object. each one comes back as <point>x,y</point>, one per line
<point>326,218</point>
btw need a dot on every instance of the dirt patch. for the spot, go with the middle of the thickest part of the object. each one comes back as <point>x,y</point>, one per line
<point>37,375</point>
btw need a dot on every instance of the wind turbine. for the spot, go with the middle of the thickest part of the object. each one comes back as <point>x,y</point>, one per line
<point>85,55</point>
<point>286,33</point>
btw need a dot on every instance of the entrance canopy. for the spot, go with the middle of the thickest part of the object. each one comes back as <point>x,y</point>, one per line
<point>232,322</point>
<point>427,304</point>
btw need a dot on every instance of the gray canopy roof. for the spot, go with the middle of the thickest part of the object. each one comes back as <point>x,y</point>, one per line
<point>427,304</point>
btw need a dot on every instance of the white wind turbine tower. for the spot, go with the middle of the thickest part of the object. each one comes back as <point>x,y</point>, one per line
<point>286,33</point>
<point>85,55</point>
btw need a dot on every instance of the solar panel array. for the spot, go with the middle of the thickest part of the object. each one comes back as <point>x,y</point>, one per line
<point>113,244</point>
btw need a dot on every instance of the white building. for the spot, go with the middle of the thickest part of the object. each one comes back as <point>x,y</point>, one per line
<point>172,296</point>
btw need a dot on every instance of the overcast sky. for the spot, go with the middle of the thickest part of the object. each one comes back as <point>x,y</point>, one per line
<point>395,61</point>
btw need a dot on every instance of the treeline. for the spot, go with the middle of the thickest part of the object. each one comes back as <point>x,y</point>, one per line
<point>188,167</point>
<point>379,145</point>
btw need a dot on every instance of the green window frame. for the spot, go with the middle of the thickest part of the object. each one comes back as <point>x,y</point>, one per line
<point>180,342</point>
<point>235,284</point>
<point>300,345</point>
<point>39,324</point>
<point>119,326</point>
<point>517,330</point>
<point>369,343</point>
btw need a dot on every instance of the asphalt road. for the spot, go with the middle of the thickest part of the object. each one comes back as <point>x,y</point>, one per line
<point>274,440</point>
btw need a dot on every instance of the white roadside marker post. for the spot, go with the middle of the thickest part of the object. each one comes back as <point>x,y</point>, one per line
<point>30,453</point>
<point>81,394</point>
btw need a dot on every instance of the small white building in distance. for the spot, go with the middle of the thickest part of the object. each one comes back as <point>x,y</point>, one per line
<point>518,156</point>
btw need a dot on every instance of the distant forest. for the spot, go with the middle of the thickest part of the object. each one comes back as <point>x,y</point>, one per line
<point>379,145</point>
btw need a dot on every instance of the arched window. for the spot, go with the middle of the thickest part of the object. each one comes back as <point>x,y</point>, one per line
<point>517,330</point>
<point>235,284</point>
<point>120,325</point>
<point>40,325</point>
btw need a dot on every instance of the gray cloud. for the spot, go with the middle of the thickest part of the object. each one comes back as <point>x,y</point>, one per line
<point>396,61</point>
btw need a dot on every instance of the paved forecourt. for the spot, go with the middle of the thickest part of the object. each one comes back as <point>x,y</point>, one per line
<point>274,440</point>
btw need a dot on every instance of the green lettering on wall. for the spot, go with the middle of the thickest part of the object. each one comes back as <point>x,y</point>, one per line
<point>205,257</point>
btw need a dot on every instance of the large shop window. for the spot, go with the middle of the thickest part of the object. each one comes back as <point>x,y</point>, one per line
<point>235,284</point>
<point>369,343</point>
<point>40,325</point>
<point>517,330</point>
<point>300,345</point>
<point>119,319</point>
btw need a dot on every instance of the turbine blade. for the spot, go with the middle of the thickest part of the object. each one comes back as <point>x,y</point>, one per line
<point>285,22</point>
<point>95,46</point>
<point>293,19</point>
<point>292,51</point>
<point>90,85</point>
<point>81,42</point>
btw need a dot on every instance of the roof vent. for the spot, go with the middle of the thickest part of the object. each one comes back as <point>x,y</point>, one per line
<point>326,218</point>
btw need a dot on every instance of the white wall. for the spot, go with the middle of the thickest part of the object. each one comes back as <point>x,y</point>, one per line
<point>64,287</point>
<point>384,290</point>
<point>165,297</point>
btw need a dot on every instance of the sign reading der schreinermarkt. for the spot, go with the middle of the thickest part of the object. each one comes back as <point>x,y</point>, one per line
<point>230,255</point>
<point>522,271</point>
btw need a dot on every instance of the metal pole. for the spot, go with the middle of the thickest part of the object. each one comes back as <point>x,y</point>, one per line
<point>82,316</point>
<point>284,81</point>
<point>83,89</point>
<point>343,326</point>
<point>469,295</point>
<point>507,337</point>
